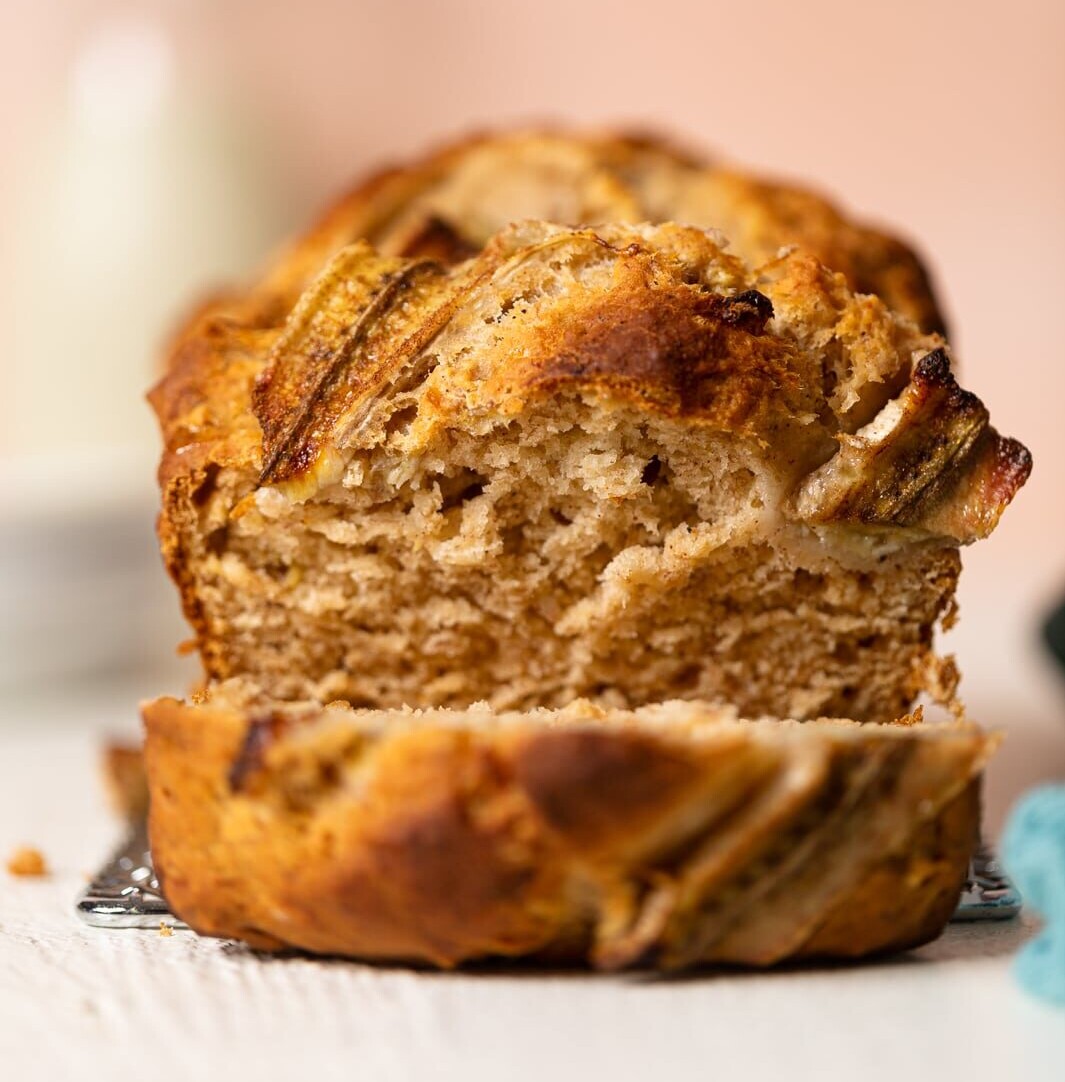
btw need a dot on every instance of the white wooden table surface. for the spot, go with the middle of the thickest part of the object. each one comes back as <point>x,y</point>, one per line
<point>84,1003</point>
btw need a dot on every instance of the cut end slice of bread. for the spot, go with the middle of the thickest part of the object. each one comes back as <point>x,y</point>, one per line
<point>669,836</point>
<point>612,462</point>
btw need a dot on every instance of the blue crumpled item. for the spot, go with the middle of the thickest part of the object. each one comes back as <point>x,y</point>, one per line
<point>1033,852</point>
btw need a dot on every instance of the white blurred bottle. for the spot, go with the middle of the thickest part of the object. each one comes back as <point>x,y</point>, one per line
<point>141,192</point>
<point>145,192</point>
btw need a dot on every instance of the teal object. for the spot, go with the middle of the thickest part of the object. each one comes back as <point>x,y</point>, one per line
<point>1034,854</point>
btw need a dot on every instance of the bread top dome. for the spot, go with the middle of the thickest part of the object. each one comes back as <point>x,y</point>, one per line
<point>859,413</point>
<point>447,204</point>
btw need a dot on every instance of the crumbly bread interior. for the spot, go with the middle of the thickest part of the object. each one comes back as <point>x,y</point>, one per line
<point>578,554</point>
<point>578,486</point>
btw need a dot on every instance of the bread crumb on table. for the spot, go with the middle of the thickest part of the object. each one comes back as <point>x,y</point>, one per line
<point>27,861</point>
<point>165,929</point>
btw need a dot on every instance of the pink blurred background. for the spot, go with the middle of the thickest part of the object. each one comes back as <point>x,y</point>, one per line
<point>945,121</point>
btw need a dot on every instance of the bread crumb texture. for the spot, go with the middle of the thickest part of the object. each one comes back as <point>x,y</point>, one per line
<point>27,862</point>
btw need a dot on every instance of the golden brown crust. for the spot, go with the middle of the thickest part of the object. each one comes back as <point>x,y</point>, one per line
<point>660,337</point>
<point>675,349</point>
<point>933,463</point>
<point>675,838</point>
<point>930,886</point>
<point>463,192</point>
<point>770,214</point>
<point>681,352</point>
<point>318,366</point>
<point>385,210</point>
<point>203,407</point>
